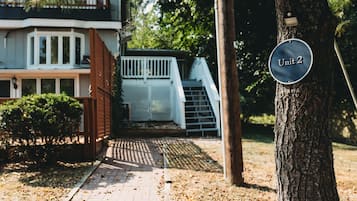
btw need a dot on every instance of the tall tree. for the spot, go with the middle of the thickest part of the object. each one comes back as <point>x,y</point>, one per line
<point>304,160</point>
<point>256,33</point>
<point>148,33</point>
<point>344,128</point>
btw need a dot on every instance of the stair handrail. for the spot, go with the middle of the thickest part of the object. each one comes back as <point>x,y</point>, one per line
<point>200,72</point>
<point>179,95</point>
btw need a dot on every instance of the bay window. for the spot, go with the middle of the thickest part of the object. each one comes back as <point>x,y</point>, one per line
<point>51,49</point>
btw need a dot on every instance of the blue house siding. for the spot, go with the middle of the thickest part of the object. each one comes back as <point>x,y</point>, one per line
<point>13,49</point>
<point>109,37</point>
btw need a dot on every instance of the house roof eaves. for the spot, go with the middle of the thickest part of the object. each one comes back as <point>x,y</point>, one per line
<point>59,23</point>
<point>44,71</point>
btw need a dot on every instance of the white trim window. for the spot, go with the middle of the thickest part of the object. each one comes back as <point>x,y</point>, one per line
<point>5,88</point>
<point>49,85</point>
<point>54,49</point>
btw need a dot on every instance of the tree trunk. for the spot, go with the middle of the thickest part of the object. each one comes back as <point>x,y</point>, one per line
<point>304,160</point>
<point>229,91</point>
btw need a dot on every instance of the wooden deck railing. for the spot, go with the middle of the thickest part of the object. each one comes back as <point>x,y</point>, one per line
<point>69,4</point>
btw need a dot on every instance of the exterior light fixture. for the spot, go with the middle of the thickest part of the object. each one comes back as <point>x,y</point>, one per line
<point>14,82</point>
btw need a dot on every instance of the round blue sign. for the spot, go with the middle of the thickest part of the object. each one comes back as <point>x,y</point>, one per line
<point>290,61</point>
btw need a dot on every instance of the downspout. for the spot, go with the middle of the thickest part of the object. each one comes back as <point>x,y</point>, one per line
<point>5,39</point>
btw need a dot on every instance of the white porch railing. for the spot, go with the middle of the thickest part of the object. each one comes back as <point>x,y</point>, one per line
<point>151,69</point>
<point>179,100</point>
<point>133,67</point>
<point>200,72</point>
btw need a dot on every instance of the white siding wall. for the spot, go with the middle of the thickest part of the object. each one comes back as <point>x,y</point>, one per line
<point>84,82</point>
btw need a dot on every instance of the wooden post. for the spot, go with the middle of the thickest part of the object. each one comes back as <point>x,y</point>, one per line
<point>229,91</point>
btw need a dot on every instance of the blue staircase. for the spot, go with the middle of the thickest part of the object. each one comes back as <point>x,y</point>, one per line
<point>199,115</point>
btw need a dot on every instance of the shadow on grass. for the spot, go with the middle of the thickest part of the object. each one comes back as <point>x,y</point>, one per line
<point>60,175</point>
<point>258,187</point>
<point>184,154</point>
<point>258,133</point>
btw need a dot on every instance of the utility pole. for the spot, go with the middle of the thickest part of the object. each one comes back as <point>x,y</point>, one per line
<point>229,91</point>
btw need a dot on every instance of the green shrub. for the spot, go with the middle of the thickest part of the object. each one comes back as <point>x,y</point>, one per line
<point>49,117</point>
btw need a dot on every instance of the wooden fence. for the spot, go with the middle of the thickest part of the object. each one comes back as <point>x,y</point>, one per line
<point>102,69</point>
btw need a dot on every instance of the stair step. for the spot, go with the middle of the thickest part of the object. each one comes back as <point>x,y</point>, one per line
<point>191,116</point>
<point>194,90</point>
<point>195,93</point>
<point>196,101</point>
<point>196,97</point>
<point>201,130</point>
<point>197,106</point>
<point>201,117</point>
<point>198,111</point>
<point>201,127</point>
<point>201,123</point>
<point>191,83</point>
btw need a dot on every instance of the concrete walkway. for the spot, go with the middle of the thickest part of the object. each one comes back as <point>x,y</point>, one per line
<point>131,171</point>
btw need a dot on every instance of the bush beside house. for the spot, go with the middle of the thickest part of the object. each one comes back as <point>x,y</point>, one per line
<point>39,124</point>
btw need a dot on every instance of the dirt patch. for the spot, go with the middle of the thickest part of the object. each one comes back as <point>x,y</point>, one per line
<point>26,181</point>
<point>259,174</point>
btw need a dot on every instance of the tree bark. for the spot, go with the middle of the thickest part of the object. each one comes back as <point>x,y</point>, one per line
<point>303,155</point>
